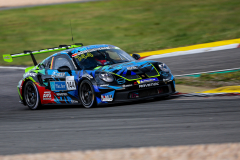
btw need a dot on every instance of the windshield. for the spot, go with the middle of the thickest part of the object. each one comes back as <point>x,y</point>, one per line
<point>97,58</point>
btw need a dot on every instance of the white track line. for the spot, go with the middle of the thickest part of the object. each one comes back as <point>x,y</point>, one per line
<point>207,72</point>
<point>12,67</point>
<point>194,51</point>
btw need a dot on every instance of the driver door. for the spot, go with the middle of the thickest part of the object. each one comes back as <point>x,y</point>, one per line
<point>61,82</point>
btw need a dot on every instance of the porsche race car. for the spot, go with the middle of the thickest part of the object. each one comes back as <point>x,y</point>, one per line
<point>90,76</point>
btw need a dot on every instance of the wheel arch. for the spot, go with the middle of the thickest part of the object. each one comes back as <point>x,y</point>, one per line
<point>23,86</point>
<point>93,81</point>
<point>93,85</point>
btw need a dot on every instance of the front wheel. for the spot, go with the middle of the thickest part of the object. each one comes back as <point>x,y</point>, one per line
<point>87,94</point>
<point>31,96</point>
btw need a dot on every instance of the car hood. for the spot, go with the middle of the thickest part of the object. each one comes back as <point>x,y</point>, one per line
<point>132,70</point>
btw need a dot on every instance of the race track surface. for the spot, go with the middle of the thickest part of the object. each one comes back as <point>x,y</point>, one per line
<point>178,121</point>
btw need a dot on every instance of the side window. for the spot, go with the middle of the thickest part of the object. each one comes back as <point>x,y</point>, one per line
<point>41,66</point>
<point>48,64</point>
<point>61,61</point>
<point>45,64</point>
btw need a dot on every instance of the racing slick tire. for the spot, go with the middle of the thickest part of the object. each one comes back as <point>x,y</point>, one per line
<point>31,96</point>
<point>87,94</point>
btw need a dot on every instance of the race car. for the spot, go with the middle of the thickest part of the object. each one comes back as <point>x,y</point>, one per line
<point>91,75</point>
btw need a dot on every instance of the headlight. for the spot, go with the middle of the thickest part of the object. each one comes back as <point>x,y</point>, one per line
<point>164,67</point>
<point>106,77</point>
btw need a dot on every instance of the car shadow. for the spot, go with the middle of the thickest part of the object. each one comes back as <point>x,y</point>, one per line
<point>79,106</point>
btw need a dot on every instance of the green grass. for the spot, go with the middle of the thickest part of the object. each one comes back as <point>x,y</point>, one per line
<point>133,25</point>
<point>211,80</point>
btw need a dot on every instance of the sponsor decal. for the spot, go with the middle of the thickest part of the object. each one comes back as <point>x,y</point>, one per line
<point>147,80</point>
<point>148,85</point>
<point>132,68</point>
<point>47,95</point>
<point>58,86</point>
<point>56,74</point>
<point>107,97</point>
<point>73,101</point>
<point>30,74</point>
<point>167,80</point>
<point>61,94</point>
<point>75,54</point>
<point>121,81</point>
<point>90,50</point>
<point>70,83</point>
<point>7,57</point>
<point>83,56</point>
<point>104,85</point>
<point>128,85</point>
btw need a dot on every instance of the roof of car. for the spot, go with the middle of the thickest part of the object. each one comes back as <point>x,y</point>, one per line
<point>69,52</point>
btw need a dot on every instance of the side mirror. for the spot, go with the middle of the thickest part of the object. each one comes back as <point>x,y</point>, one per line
<point>64,69</point>
<point>136,56</point>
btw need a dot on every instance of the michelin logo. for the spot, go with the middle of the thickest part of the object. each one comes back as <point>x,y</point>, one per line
<point>148,85</point>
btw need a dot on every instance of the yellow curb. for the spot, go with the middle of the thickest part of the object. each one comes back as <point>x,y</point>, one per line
<point>204,45</point>
<point>227,89</point>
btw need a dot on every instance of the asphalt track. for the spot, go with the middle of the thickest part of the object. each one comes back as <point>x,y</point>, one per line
<point>179,121</point>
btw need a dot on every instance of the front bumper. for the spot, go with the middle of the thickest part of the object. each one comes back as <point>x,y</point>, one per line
<point>163,90</point>
<point>150,92</point>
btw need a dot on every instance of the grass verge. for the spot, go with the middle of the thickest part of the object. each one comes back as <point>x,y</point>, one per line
<point>133,25</point>
<point>211,80</point>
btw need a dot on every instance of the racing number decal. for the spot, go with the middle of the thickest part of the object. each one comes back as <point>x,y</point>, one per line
<point>70,83</point>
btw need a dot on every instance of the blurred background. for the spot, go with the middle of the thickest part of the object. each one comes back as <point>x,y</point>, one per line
<point>133,25</point>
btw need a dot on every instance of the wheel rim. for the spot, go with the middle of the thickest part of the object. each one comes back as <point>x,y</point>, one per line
<point>30,95</point>
<point>86,94</point>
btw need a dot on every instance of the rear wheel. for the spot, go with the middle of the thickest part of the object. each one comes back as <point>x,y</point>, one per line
<point>87,94</point>
<point>31,96</point>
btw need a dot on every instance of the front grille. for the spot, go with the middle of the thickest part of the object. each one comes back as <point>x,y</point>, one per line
<point>149,92</point>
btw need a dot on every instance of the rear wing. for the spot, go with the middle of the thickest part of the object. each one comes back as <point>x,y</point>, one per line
<point>9,57</point>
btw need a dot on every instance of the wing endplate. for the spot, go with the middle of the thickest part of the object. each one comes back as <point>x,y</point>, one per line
<point>7,58</point>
